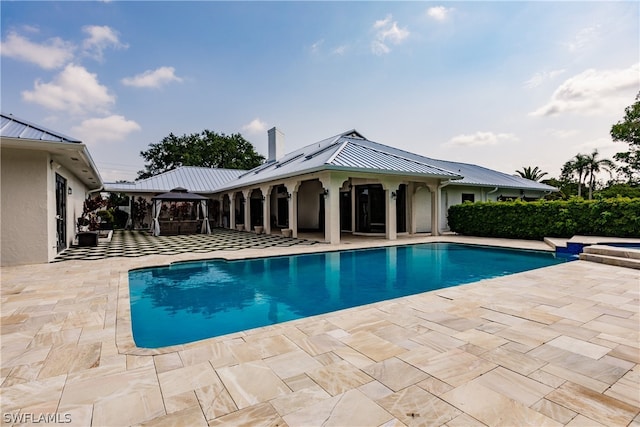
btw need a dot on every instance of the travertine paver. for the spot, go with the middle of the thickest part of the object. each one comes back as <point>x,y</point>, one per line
<point>554,346</point>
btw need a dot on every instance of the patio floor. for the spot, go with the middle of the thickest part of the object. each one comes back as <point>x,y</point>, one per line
<point>554,346</point>
<point>125,243</point>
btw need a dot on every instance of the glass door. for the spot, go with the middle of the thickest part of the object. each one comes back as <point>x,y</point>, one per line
<point>61,213</point>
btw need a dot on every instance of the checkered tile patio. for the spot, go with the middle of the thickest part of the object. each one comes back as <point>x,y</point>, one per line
<point>126,243</point>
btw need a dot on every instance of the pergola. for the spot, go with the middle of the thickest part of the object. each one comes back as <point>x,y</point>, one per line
<point>180,225</point>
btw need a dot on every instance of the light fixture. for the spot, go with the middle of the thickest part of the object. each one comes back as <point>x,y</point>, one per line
<point>326,193</point>
<point>69,191</point>
<point>288,196</point>
<point>393,195</point>
<point>263,198</point>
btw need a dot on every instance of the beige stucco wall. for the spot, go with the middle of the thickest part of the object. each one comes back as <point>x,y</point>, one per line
<point>28,206</point>
<point>423,210</point>
<point>24,230</point>
<point>309,205</point>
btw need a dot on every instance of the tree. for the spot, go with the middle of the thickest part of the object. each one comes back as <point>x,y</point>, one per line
<point>577,165</point>
<point>534,174</point>
<point>595,165</point>
<point>207,149</point>
<point>628,130</point>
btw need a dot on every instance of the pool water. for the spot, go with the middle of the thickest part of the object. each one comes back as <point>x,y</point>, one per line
<point>191,301</point>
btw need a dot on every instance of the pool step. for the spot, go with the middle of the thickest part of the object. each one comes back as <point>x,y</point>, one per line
<point>622,257</point>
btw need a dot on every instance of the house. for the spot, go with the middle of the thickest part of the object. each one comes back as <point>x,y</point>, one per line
<point>347,183</point>
<point>45,178</point>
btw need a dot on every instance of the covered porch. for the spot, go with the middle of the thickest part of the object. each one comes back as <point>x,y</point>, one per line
<point>334,203</point>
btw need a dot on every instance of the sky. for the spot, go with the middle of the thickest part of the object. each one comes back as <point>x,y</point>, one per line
<point>499,84</point>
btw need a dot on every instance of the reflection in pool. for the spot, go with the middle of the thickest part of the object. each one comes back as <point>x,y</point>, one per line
<point>195,300</point>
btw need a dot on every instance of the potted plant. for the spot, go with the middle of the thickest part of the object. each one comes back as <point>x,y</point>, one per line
<point>89,222</point>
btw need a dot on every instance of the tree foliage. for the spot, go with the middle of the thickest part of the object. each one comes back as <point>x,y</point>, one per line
<point>534,174</point>
<point>206,149</point>
<point>628,130</point>
<point>576,166</point>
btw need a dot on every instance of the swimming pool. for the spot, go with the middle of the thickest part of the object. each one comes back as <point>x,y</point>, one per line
<point>191,301</point>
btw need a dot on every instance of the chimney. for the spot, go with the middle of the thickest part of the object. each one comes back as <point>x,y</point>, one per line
<point>276,144</point>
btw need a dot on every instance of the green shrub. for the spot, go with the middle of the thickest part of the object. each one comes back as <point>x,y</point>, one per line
<point>618,217</point>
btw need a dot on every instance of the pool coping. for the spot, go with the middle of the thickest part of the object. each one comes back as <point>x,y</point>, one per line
<point>124,331</point>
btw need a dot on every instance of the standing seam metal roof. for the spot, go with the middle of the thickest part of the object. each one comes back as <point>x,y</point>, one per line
<point>12,127</point>
<point>195,179</point>
<point>355,155</point>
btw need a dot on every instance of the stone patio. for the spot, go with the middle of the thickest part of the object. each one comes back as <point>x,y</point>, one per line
<point>554,346</point>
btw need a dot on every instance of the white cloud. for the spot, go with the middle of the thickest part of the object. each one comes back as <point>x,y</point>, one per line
<point>562,133</point>
<point>439,13</point>
<point>54,53</point>
<point>481,139</point>
<point>73,90</point>
<point>593,91</point>
<point>100,38</point>
<point>106,129</point>
<point>340,50</point>
<point>387,31</point>
<point>153,78</point>
<point>539,78</point>
<point>256,127</point>
<point>315,48</point>
<point>585,37</point>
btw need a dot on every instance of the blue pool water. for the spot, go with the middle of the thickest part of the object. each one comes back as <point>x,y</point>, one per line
<point>195,300</point>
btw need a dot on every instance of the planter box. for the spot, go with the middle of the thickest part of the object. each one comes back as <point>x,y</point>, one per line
<point>259,229</point>
<point>286,232</point>
<point>88,238</point>
<point>239,227</point>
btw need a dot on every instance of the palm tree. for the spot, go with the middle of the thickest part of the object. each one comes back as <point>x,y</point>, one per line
<point>534,174</point>
<point>595,165</point>
<point>576,165</point>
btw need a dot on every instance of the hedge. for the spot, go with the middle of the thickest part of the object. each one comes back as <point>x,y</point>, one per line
<point>619,217</point>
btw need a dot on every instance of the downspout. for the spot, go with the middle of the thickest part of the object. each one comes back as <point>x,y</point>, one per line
<point>98,190</point>
<point>490,192</point>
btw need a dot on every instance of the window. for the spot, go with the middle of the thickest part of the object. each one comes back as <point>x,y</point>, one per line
<point>468,197</point>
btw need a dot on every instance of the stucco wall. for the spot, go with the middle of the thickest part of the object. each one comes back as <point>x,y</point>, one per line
<point>423,210</point>
<point>24,177</point>
<point>309,205</point>
<point>28,200</point>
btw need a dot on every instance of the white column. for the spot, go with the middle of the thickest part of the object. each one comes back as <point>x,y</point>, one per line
<point>435,209</point>
<point>292,189</point>
<point>266,209</point>
<point>331,209</point>
<point>232,211</point>
<point>247,209</point>
<point>391,226</point>
<point>412,188</point>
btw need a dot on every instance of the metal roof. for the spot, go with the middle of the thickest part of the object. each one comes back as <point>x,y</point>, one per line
<point>358,156</point>
<point>473,174</point>
<point>346,151</point>
<point>195,179</point>
<point>13,127</point>
<point>69,152</point>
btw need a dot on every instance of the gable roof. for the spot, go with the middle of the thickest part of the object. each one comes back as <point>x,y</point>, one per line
<point>475,175</point>
<point>351,151</point>
<point>13,127</point>
<point>195,179</point>
<point>348,151</point>
<point>16,133</point>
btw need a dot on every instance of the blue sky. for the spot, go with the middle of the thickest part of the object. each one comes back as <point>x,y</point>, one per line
<point>499,84</point>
